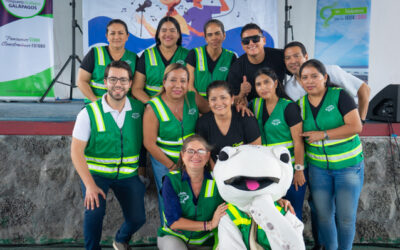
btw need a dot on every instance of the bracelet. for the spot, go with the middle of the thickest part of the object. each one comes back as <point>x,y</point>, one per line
<point>326,135</point>
<point>205,225</point>
<point>173,164</point>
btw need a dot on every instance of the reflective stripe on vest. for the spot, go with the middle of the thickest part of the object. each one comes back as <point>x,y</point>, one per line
<point>200,59</point>
<point>239,220</point>
<point>173,154</point>
<point>330,142</point>
<point>257,107</point>
<point>199,241</point>
<point>152,57</point>
<point>174,143</point>
<point>160,109</point>
<point>337,157</point>
<point>302,104</point>
<point>104,169</point>
<point>98,117</point>
<point>204,94</point>
<point>209,188</point>
<point>126,160</point>
<point>153,88</point>
<point>100,56</point>
<point>97,85</point>
<point>286,144</point>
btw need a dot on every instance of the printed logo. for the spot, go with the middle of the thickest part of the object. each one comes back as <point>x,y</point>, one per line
<point>223,69</point>
<point>330,12</point>
<point>183,197</point>
<point>276,122</point>
<point>192,111</point>
<point>237,144</point>
<point>23,8</point>
<point>135,115</point>
<point>181,62</point>
<point>330,108</point>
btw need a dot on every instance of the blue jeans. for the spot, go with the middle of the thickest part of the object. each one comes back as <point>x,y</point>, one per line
<point>130,195</point>
<point>336,193</point>
<point>296,198</point>
<point>159,170</point>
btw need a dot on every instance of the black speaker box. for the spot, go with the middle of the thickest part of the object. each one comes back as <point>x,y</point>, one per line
<point>385,105</point>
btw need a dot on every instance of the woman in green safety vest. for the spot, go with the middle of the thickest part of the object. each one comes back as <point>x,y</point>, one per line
<point>333,153</point>
<point>280,124</point>
<point>169,118</point>
<point>193,206</point>
<point>148,78</point>
<point>91,72</point>
<point>210,62</point>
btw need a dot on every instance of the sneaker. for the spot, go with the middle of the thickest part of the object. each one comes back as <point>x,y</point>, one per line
<point>121,245</point>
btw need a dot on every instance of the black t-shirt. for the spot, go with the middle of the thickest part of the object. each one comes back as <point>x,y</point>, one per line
<point>242,130</point>
<point>88,61</point>
<point>292,114</point>
<point>242,67</point>
<point>191,59</point>
<point>141,65</point>
<point>346,104</point>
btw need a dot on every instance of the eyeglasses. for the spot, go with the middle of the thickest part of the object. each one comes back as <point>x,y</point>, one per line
<point>113,80</point>
<point>201,152</point>
<point>255,39</point>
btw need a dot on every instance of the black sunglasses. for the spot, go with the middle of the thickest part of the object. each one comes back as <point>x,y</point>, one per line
<point>255,39</point>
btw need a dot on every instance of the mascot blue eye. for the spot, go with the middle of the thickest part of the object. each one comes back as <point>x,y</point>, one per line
<point>285,157</point>
<point>223,156</point>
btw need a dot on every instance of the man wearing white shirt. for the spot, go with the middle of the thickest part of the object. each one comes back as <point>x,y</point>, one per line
<point>295,55</point>
<point>105,147</point>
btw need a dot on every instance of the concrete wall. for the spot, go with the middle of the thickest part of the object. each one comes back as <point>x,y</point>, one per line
<point>41,201</point>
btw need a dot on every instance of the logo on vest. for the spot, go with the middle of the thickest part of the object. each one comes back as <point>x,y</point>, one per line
<point>135,115</point>
<point>237,144</point>
<point>329,108</point>
<point>183,197</point>
<point>223,69</point>
<point>276,122</point>
<point>192,111</point>
<point>128,61</point>
<point>181,62</point>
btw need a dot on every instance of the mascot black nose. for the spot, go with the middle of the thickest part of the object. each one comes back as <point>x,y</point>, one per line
<point>285,157</point>
<point>223,156</point>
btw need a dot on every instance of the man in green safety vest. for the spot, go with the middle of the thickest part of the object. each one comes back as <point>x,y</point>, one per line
<point>106,142</point>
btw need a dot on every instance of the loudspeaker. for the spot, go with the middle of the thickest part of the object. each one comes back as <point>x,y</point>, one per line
<point>385,106</point>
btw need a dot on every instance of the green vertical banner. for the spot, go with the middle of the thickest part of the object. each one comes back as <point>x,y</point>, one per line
<point>26,49</point>
<point>342,34</point>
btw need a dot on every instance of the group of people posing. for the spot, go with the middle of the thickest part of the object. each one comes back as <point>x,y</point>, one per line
<point>185,106</point>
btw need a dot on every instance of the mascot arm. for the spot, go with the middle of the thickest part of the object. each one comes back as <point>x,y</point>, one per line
<point>229,236</point>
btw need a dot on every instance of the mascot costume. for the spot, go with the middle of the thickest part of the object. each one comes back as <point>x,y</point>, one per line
<point>251,179</point>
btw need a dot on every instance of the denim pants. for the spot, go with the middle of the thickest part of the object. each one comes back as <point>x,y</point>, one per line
<point>159,171</point>
<point>296,198</point>
<point>130,195</point>
<point>336,193</point>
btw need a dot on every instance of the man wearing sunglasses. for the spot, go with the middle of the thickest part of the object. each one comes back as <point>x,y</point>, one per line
<point>241,74</point>
<point>105,147</point>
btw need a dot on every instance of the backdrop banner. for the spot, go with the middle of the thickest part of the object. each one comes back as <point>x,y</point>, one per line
<point>342,34</point>
<point>26,49</point>
<point>143,16</point>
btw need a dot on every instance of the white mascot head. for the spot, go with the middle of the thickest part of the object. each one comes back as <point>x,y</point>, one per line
<point>247,171</point>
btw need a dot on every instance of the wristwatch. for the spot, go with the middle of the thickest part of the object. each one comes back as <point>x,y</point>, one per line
<point>298,167</point>
<point>326,135</point>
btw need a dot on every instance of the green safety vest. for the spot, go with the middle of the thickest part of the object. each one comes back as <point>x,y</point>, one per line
<point>101,60</point>
<point>112,152</point>
<point>244,221</point>
<point>208,200</point>
<point>329,154</point>
<point>171,131</point>
<point>275,131</point>
<point>155,68</point>
<point>202,76</point>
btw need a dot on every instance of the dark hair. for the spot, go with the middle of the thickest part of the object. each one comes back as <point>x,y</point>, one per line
<point>119,21</point>
<point>250,26</point>
<point>296,44</point>
<point>119,65</point>
<point>213,21</point>
<point>318,65</point>
<point>180,165</point>
<point>176,24</point>
<point>280,90</point>
<point>219,84</point>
